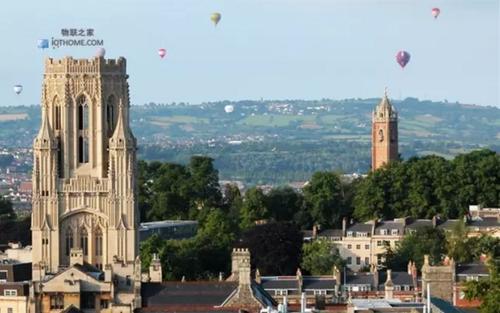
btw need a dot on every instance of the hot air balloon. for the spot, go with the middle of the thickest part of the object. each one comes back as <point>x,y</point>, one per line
<point>229,108</point>
<point>18,89</point>
<point>435,12</point>
<point>162,53</point>
<point>403,57</point>
<point>101,52</point>
<point>215,17</point>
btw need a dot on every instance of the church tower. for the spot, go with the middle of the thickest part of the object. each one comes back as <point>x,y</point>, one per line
<point>85,167</point>
<point>384,133</point>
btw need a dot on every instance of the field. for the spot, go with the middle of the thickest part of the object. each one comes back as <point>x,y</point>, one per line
<point>12,117</point>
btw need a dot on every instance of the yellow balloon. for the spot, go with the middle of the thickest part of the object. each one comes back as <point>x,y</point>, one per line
<point>215,17</point>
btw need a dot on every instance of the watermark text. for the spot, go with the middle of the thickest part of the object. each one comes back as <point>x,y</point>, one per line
<point>79,42</point>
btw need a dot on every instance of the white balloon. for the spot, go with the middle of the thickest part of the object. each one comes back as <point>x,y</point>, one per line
<point>229,108</point>
<point>18,89</point>
<point>101,52</point>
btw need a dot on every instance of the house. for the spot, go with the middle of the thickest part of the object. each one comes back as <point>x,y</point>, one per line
<point>14,286</point>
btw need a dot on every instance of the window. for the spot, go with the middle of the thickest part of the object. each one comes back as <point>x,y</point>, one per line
<point>319,292</point>
<point>349,234</point>
<point>3,276</point>
<point>469,278</point>
<point>387,243</point>
<point>60,164</point>
<point>362,234</point>
<point>461,295</point>
<point>128,282</point>
<point>379,243</point>
<point>12,293</point>
<point>358,247</point>
<point>282,292</point>
<point>10,310</point>
<point>367,261</point>
<point>57,115</point>
<point>358,261</point>
<point>380,259</point>
<point>104,304</point>
<point>110,115</point>
<point>349,260</point>
<point>397,288</point>
<point>336,239</point>
<point>383,232</point>
<point>69,240</point>
<point>367,247</point>
<point>98,242</point>
<point>349,247</point>
<point>394,232</point>
<point>83,126</point>
<point>87,300</point>
<point>57,302</point>
<point>406,287</point>
<point>84,241</point>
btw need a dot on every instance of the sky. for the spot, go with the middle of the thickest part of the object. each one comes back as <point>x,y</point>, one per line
<point>274,49</point>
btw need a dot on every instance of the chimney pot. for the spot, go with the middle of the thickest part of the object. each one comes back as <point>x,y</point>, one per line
<point>426,259</point>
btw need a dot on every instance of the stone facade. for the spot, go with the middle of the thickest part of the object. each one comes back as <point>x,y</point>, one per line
<point>384,133</point>
<point>85,211</point>
<point>440,278</point>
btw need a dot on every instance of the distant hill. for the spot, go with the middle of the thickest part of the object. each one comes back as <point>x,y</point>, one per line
<point>283,120</point>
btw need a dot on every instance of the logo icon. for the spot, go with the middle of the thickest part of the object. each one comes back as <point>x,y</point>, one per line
<point>43,44</point>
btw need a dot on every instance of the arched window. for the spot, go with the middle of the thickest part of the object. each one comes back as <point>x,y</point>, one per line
<point>380,135</point>
<point>98,242</point>
<point>57,114</point>
<point>84,241</point>
<point>60,164</point>
<point>83,127</point>
<point>69,240</point>
<point>110,115</point>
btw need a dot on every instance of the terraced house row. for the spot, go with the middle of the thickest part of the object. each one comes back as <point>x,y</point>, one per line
<point>363,244</point>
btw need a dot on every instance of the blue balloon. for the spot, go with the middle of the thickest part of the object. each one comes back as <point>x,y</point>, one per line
<point>43,44</point>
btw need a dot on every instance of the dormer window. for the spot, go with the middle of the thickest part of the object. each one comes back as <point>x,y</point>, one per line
<point>406,287</point>
<point>394,232</point>
<point>383,232</point>
<point>361,234</point>
<point>281,292</point>
<point>349,234</point>
<point>397,288</point>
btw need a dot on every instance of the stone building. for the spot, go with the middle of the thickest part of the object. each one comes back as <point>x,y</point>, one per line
<point>384,133</point>
<point>14,286</point>
<point>85,214</point>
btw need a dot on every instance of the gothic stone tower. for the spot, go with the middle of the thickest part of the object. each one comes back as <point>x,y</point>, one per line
<point>84,176</point>
<point>384,133</point>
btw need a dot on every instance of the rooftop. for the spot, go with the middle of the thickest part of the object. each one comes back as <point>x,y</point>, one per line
<point>170,223</point>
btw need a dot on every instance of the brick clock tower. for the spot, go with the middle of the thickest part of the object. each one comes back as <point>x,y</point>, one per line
<point>384,133</point>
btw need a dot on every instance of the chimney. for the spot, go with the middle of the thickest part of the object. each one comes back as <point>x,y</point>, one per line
<point>315,231</point>
<point>389,286</point>
<point>426,260</point>
<point>244,272</point>
<point>484,258</point>
<point>434,221</point>
<point>446,261</point>
<point>410,267</point>
<point>337,276</point>
<point>376,277</point>
<point>238,256</point>
<point>466,219</point>
<point>76,256</point>
<point>183,280</point>
<point>221,276</point>
<point>257,276</point>
<point>374,225</point>
<point>155,272</point>
<point>300,279</point>
<point>344,225</point>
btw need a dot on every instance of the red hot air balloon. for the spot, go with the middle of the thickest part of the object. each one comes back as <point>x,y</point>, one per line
<point>435,12</point>
<point>403,57</point>
<point>162,53</point>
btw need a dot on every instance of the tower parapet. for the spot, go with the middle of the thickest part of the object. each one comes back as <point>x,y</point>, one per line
<point>68,65</point>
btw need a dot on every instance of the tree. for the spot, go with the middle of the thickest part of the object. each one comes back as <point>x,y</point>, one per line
<point>319,257</point>
<point>413,247</point>
<point>204,181</point>
<point>217,226</point>
<point>283,203</point>
<point>148,248</point>
<point>254,208</point>
<point>324,199</point>
<point>487,291</point>
<point>458,245</point>
<point>6,210</point>
<point>275,247</point>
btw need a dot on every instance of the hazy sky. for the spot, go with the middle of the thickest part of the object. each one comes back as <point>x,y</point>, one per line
<point>275,49</point>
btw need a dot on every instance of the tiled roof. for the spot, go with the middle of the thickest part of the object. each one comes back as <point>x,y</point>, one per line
<point>331,233</point>
<point>471,269</point>
<point>318,284</point>
<point>414,224</point>
<point>359,280</point>
<point>484,222</point>
<point>360,227</point>
<point>186,293</point>
<point>280,284</point>
<point>389,225</point>
<point>445,306</point>
<point>398,278</point>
